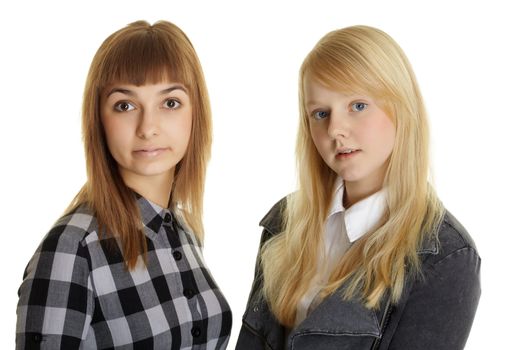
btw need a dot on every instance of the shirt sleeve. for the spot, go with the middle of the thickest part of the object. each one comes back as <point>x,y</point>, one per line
<point>55,304</point>
<point>440,309</point>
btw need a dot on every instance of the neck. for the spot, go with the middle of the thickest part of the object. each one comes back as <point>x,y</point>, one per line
<point>365,187</point>
<point>355,192</point>
<point>156,189</point>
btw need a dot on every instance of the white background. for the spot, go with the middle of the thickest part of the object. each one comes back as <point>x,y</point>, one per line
<point>468,57</point>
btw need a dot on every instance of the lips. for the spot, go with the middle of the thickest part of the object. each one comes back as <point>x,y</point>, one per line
<point>346,152</point>
<point>150,151</point>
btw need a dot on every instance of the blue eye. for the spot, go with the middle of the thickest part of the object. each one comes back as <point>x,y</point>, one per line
<point>359,106</point>
<point>318,115</point>
<point>123,106</point>
<point>171,103</point>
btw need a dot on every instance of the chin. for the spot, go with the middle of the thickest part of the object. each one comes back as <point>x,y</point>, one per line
<point>348,174</point>
<point>351,177</point>
<point>153,171</point>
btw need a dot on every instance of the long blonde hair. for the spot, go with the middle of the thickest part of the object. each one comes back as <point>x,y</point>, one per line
<point>141,53</point>
<point>366,60</point>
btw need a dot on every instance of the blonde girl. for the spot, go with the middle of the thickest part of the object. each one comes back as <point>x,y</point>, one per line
<point>363,255</point>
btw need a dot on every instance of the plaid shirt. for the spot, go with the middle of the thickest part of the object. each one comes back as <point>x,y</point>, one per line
<point>77,293</point>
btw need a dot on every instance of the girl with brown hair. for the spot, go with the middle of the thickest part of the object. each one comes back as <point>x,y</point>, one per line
<point>123,268</point>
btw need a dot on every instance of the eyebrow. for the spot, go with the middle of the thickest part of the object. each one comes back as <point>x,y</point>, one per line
<point>312,103</point>
<point>351,96</point>
<point>132,93</point>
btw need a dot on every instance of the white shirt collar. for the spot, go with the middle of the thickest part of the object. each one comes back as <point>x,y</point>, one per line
<point>363,215</point>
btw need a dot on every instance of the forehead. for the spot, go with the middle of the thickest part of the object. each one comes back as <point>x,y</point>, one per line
<point>314,91</point>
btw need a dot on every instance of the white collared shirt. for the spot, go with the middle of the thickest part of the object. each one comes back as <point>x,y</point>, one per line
<point>342,228</point>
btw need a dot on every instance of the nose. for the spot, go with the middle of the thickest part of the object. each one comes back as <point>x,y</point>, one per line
<point>338,125</point>
<point>148,124</point>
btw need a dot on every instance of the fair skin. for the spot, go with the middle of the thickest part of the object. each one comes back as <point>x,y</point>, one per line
<point>147,129</point>
<point>353,135</point>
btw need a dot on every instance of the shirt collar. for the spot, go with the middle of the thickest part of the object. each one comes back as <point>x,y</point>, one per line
<point>362,216</point>
<point>152,215</point>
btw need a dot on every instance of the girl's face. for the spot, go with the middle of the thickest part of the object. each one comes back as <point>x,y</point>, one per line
<point>147,128</point>
<point>352,134</point>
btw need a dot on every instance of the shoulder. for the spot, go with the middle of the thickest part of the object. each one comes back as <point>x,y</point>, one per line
<point>442,299</point>
<point>273,220</point>
<point>70,230</point>
<point>451,245</point>
<point>64,248</point>
<point>453,236</point>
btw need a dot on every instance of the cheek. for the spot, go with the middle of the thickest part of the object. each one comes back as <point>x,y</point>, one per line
<point>117,134</point>
<point>383,133</point>
<point>319,137</point>
<point>389,135</point>
<point>179,129</point>
<point>111,132</point>
<point>187,126</point>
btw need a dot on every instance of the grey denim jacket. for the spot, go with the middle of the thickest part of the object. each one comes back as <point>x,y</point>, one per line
<point>435,312</point>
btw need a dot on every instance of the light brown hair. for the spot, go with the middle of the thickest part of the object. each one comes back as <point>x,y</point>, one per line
<point>137,54</point>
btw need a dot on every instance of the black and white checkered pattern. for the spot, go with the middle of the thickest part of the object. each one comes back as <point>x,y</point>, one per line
<point>76,292</point>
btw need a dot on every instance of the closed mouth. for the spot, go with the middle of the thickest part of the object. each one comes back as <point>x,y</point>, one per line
<point>151,149</point>
<point>149,152</point>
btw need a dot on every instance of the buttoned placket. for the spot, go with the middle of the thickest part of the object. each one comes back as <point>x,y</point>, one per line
<point>189,289</point>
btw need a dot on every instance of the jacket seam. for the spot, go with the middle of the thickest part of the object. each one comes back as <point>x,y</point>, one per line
<point>456,231</point>
<point>455,253</point>
<point>254,332</point>
<point>376,335</point>
<point>327,333</point>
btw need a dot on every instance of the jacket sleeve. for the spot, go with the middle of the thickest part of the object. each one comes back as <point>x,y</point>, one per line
<point>55,299</point>
<point>256,315</point>
<point>272,225</point>
<point>249,338</point>
<point>440,309</point>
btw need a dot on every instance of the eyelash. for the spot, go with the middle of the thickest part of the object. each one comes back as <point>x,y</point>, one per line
<point>353,107</point>
<point>178,104</point>
<point>316,117</point>
<point>118,106</point>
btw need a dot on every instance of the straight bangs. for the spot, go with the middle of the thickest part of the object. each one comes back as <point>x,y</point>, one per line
<point>145,57</point>
<point>338,72</point>
<point>354,61</point>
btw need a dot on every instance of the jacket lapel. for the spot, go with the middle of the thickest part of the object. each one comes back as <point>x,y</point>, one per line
<point>337,318</point>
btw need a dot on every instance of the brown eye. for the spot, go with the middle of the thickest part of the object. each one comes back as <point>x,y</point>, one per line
<point>123,106</point>
<point>171,103</point>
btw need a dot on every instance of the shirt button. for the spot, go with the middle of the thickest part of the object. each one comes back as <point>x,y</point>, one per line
<point>188,293</point>
<point>177,255</point>
<point>167,218</point>
<point>196,331</point>
<point>37,338</point>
